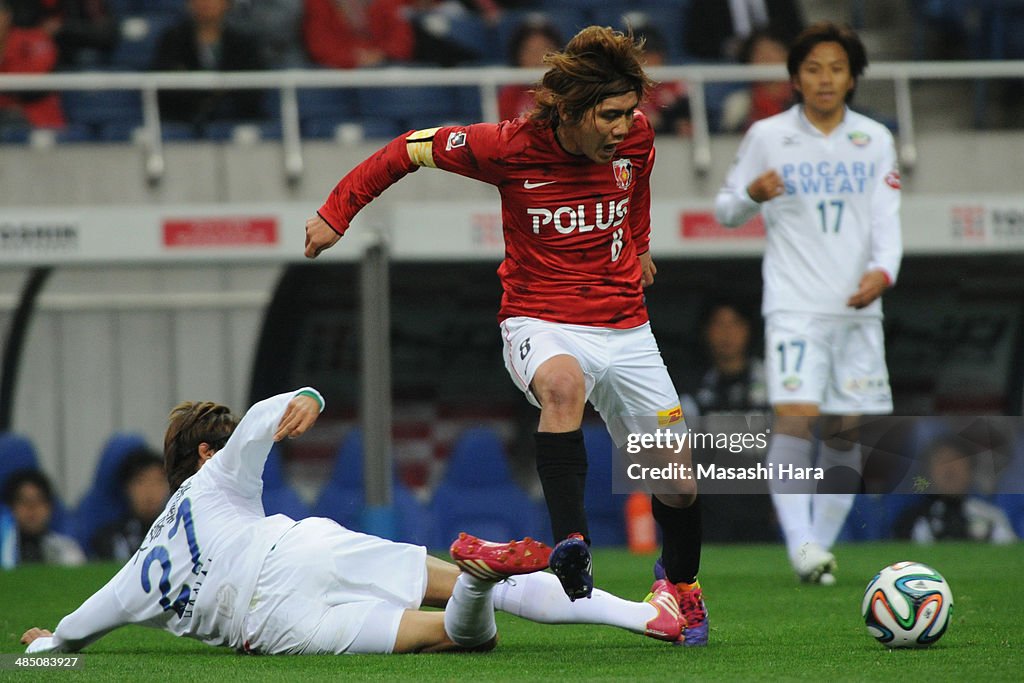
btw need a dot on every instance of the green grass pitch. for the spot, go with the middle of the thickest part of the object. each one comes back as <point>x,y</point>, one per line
<point>765,626</point>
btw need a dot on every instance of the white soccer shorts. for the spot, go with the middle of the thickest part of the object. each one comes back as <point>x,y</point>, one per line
<point>625,376</point>
<point>834,362</point>
<point>324,589</point>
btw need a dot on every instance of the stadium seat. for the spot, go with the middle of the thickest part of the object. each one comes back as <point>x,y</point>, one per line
<point>101,107</point>
<point>477,494</point>
<point>427,106</point>
<point>666,17</point>
<point>16,453</point>
<point>104,502</point>
<point>605,510</point>
<point>568,20</point>
<point>140,34</point>
<point>278,496</point>
<point>343,499</point>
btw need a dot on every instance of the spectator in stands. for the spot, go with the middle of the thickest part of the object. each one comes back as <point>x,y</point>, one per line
<point>276,25</point>
<point>731,397</point>
<point>86,31</point>
<point>949,511</point>
<point>667,106</point>
<point>29,496</point>
<point>764,98</point>
<point>144,484</point>
<point>27,51</point>
<point>715,29</point>
<point>204,42</point>
<point>346,34</point>
<point>735,382</point>
<point>531,40</point>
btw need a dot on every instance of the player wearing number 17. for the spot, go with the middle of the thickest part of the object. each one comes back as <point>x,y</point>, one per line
<point>826,181</point>
<point>574,181</point>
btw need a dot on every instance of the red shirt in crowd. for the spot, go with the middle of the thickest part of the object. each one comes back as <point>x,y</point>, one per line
<point>335,36</point>
<point>31,51</point>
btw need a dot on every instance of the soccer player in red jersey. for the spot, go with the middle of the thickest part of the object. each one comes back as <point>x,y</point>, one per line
<point>574,180</point>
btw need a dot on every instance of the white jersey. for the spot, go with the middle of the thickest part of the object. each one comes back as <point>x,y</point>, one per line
<point>838,217</point>
<point>196,570</point>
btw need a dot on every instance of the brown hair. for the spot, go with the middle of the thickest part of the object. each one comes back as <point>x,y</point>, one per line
<point>598,63</point>
<point>828,32</point>
<point>191,424</point>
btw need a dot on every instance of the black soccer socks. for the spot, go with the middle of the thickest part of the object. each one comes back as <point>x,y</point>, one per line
<point>562,466</point>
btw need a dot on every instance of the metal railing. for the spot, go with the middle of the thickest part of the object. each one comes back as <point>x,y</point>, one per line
<point>488,80</point>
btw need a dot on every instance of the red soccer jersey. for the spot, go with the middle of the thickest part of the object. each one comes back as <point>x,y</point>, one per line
<point>573,228</point>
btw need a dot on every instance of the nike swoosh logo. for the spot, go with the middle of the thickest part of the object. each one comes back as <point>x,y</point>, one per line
<point>529,186</point>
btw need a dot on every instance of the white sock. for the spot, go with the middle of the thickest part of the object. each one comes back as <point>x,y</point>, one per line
<point>469,615</point>
<point>830,510</point>
<point>792,498</point>
<point>539,597</point>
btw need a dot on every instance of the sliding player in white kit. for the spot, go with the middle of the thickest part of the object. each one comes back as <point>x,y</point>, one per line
<point>826,181</point>
<point>214,568</point>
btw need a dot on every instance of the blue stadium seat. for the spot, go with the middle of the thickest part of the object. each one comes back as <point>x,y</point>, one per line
<point>667,17</point>
<point>127,132</point>
<point>321,103</point>
<point>605,510</point>
<point>104,502</point>
<point>16,453</point>
<point>140,35</point>
<point>343,499</point>
<point>101,107</point>
<point>427,106</point>
<point>477,494</point>
<point>278,496</point>
<point>568,20</point>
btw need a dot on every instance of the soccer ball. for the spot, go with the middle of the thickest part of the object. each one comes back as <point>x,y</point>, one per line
<point>907,604</point>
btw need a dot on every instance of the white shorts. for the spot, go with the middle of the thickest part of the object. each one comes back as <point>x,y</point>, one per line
<point>324,589</point>
<point>625,376</point>
<point>834,362</point>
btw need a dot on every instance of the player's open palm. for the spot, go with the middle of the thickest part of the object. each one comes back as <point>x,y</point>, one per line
<point>319,236</point>
<point>301,413</point>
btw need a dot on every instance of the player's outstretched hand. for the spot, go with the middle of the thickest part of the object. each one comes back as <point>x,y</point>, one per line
<point>301,413</point>
<point>766,186</point>
<point>872,284</point>
<point>648,269</point>
<point>319,236</point>
<point>34,633</point>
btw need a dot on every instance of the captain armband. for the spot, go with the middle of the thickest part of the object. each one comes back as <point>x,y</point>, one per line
<point>420,146</point>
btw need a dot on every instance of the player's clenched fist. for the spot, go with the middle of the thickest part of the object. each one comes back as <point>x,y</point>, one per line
<point>766,186</point>
<point>299,416</point>
<point>319,236</point>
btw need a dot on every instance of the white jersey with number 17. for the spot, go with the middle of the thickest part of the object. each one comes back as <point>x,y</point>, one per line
<point>838,217</point>
<point>195,572</point>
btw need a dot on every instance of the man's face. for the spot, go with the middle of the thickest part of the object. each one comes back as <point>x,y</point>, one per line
<point>824,79</point>
<point>601,129</point>
<point>728,334</point>
<point>147,493</point>
<point>31,510</point>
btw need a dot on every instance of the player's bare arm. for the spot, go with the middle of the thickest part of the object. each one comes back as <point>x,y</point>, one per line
<point>649,270</point>
<point>319,236</point>
<point>766,186</point>
<point>872,285</point>
<point>301,413</point>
